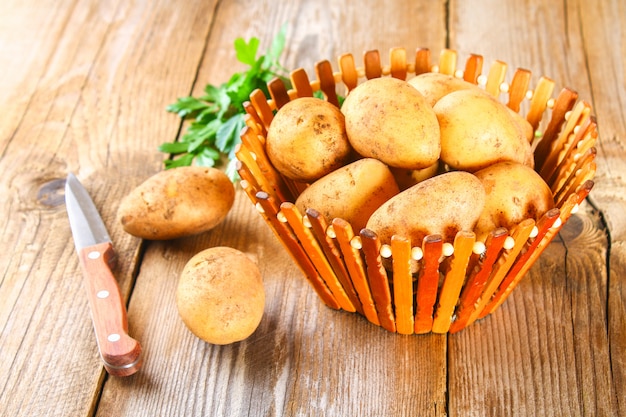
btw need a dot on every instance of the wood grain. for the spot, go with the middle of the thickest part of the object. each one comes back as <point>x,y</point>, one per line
<point>29,40</point>
<point>95,89</point>
<point>546,349</point>
<point>608,79</point>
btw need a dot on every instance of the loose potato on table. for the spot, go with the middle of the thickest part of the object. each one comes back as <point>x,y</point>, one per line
<point>177,202</point>
<point>352,192</point>
<point>445,205</point>
<point>515,192</point>
<point>478,131</point>
<point>220,295</point>
<point>307,139</point>
<point>434,85</point>
<point>391,121</point>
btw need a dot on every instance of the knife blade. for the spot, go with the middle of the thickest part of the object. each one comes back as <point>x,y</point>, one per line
<point>120,353</point>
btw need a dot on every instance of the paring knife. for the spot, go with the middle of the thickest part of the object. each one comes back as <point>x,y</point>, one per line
<point>120,353</point>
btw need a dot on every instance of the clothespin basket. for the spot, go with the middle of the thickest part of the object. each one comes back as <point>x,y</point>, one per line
<point>456,282</point>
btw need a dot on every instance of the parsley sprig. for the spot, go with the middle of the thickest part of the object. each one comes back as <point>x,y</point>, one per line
<point>218,115</point>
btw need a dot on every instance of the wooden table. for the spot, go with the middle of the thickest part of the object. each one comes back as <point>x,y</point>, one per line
<point>84,87</point>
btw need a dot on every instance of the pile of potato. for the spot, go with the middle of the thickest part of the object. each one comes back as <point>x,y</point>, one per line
<point>431,155</point>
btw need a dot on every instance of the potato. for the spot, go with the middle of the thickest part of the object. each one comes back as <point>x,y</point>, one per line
<point>220,295</point>
<point>391,121</point>
<point>434,85</point>
<point>307,139</point>
<point>352,192</point>
<point>445,205</point>
<point>527,128</point>
<point>478,131</point>
<point>515,192</point>
<point>177,202</point>
<point>409,177</point>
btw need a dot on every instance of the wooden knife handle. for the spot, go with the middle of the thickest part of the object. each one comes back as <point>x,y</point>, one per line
<point>120,353</point>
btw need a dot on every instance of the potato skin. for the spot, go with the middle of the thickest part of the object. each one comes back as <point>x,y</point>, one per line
<point>478,131</point>
<point>515,192</point>
<point>445,205</point>
<point>409,177</point>
<point>435,85</point>
<point>352,192</point>
<point>220,295</point>
<point>177,202</point>
<point>307,139</point>
<point>391,121</point>
<point>525,126</point>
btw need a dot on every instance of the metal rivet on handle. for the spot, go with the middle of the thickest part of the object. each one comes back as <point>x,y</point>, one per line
<point>114,337</point>
<point>102,294</point>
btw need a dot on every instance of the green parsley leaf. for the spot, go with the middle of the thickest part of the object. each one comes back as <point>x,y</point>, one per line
<point>184,160</point>
<point>227,136</point>
<point>173,148</point>
<point>246,52</point>
<point>217,117</point>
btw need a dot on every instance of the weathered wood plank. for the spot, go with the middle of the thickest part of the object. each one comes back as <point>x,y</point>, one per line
<point>546,347</point>
<point>585,242</point>
<point>564,297</point>
<point>22,134</point>
<point>322,30</point>
<point>97,82</point>
<point>605,48</point>
<point>40,283</point>
<point>29,39</point>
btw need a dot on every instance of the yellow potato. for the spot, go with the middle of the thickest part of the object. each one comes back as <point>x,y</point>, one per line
<point>391,121</point>
<point>515,192</point>
<point>527,128</point>
<point>177,202</point>
<point>445,205</point>
<point>478,131</point>
<point>408,177</point>
<point>220,295</point>
<point>307,139</point>
<point>352,192</point>
<point>434,85</point>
